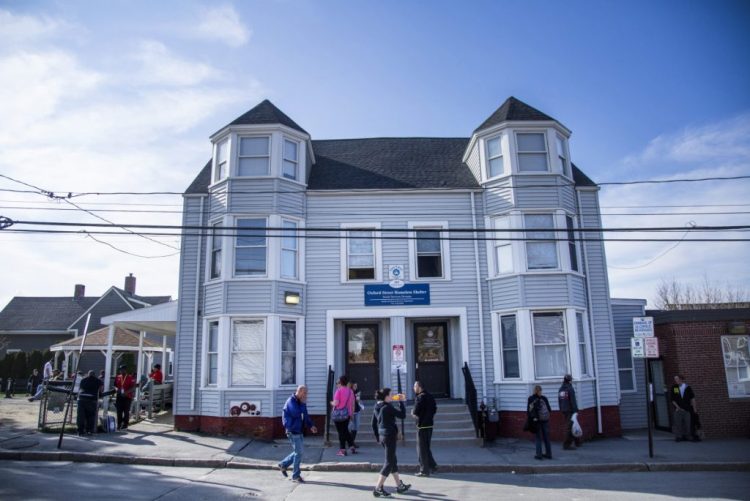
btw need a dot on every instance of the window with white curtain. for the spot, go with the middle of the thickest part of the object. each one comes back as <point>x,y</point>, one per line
<point>222,153</point>
<point>288,352</point>
<point>625,368</point>
<point>502,245</point>
<point>248,353</point>
<point>494,157</point>
<point>290,167</point>
<point>289,250</point>
<point>250,247</point>
<point>550,345</point>
<point>212,354</point>
<point>532,152</point>
<point>360,255</point>
<point>540,254</point>
<point>215,251</point>
<point>583,350</point>
<point>509,344</point>
<point>254,155</point>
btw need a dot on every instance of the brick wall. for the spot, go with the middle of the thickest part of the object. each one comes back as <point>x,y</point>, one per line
<point>265,428</point>
<point>693,349</point>
<point>511,423</point>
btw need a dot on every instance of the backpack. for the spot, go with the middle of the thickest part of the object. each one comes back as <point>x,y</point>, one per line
<point>542,411</point>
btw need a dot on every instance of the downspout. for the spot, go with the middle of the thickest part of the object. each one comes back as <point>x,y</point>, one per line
<point>195,310</point>
<point>599,428</point>
<point>479,294</point>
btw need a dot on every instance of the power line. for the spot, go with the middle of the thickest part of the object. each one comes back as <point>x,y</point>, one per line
<point>660,255</point>
<point>92,237</point>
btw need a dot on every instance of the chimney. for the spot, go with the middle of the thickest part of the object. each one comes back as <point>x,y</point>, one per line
<point>130,284</point>
<point>79,292</point>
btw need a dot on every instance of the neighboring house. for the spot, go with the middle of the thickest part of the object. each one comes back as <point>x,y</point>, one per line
<point>36,323</point>
<point>437,252</point>
<point>632,372</point>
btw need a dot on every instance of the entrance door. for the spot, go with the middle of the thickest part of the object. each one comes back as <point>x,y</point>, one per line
<point>431,357</point>
<point>661,402</point>
<point>362,358</point>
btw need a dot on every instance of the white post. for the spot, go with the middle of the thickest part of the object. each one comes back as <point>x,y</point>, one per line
<point>66,365</point>
<point>164,361</point>
<point>139,369</point>
<point>108,363</point>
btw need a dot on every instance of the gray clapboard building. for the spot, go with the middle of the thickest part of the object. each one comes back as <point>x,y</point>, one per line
<point>372,256</point>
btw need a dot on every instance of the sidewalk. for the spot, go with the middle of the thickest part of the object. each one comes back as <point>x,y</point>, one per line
<point>152,443</point>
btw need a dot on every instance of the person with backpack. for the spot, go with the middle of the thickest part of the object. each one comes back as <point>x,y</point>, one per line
<point>342,413</point>
<point>386,433</point>
<point>539,411</point>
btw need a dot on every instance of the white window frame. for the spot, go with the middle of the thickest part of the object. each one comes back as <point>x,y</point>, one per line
<point>296,250</point>
<point>224,167</point>
<point>620,370</point>
<point>298,351</point>
<point>583,343</point>
<point>284,159</point>
<point>501,346</point>
<point>445,256</point>
<point>563,156</point>
<point>211,250</point>
<point>554,243</point>
<point>377,250</point>
<point>234,249</point>
<point>572,243</point>
<point>543,133</point>
<point>566,343</point>
<point>207,354</point>
<point>230,366</point>
<point>488,158</point>
<point>502,240</point>
<point>269,170</point>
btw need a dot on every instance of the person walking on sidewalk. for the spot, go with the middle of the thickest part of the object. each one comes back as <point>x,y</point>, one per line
<point>354,422</point>
<point>685,408</point>
<point>424,412</point>
<point>125,385</point>
<point>566,398</point>
<point>88,400</point>
<point>538,413</point>
<point>341,414</point>
<point>386,432</point>
<point>295,417</point>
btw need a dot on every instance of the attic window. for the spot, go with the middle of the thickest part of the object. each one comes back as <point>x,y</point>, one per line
<point>532,152</point>
<point>494,157</point>
<point>220,172</point>
<point>290,168</point>
<point>253,156</point>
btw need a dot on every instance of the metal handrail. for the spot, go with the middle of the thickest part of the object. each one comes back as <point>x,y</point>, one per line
<point>329,397</point>
<point>400,391</point>
<point>471,399</point>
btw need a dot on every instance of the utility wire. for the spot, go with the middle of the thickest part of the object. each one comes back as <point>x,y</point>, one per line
<point>660,255</point>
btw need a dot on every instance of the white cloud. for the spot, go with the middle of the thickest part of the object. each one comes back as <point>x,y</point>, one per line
<point>19,28</point>
<point>159,66</point>
<point>223,24</point>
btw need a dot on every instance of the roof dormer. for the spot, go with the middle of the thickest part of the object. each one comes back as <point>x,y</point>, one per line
<point>262,143</point>
<point>519,139</point>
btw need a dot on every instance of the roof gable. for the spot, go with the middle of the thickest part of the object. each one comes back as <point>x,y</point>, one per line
<point>266,113</point>
<point>43,313</point>
<point>513,110</point>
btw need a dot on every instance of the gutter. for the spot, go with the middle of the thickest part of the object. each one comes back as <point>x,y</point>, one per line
<point>479,294</point>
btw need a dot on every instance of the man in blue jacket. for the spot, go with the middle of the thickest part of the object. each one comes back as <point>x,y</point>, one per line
<point>294,418</point>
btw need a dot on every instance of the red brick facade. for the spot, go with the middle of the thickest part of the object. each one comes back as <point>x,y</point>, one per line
<point>693,349</point>
<point>511,423</point>
<point>265,428</point>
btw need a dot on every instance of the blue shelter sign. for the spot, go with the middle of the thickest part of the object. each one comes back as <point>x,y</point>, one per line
<point>408,295</point>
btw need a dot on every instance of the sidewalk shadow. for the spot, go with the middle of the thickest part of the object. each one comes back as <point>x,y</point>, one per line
<point>368,488</point>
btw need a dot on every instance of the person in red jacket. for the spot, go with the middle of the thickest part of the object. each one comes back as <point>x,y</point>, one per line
<point>125,384</point>
<point>156,374</point>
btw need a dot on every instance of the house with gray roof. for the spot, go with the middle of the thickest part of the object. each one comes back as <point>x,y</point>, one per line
<point>473,264</point>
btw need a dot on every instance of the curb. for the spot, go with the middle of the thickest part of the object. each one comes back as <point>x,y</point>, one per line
<point>233,463</point>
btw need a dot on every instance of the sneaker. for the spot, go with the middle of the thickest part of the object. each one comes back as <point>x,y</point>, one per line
<point>353,450</point>
<point>299,480</point>
<point>341,452</point>
<point>381,493</point>
<point>402,487</point>
<point>421,474</point>
<point>282,469</point>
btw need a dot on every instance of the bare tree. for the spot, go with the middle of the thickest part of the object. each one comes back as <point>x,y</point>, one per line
<point>708,295</point>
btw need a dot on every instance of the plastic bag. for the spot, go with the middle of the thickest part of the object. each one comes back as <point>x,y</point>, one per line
<point>576,428</point>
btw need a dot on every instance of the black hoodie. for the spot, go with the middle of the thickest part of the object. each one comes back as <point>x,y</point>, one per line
<point>384,419</point>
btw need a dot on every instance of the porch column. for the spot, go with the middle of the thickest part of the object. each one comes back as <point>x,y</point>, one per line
<point>139,369</point>
<point>164,366</point>
<point>56,363</point>
<point>108,362</point>
<point>65,365</point>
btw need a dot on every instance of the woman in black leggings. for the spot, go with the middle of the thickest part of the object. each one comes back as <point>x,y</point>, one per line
<point>386,432</point>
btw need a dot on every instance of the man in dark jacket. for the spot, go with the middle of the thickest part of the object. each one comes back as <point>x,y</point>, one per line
<point>88,400</point>
<point>424,412</point>
<point>566,398</point>
<point>34,381</point>
<point>294,417</point>
<point>685,410</point>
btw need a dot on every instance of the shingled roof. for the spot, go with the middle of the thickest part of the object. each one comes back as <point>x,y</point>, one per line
<point>265,113</point>
<point>513,110</point>
<point>100,338</point>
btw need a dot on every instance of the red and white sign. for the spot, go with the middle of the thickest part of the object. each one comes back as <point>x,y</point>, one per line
<point>398,354</point>
<point>652,347</point>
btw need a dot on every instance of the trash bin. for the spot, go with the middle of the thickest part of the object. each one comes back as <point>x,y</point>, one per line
<point>491,420</point>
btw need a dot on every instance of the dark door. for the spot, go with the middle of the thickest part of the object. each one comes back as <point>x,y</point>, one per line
<point>661,402</point>
<point>431,357</point>
<point>363,358</point>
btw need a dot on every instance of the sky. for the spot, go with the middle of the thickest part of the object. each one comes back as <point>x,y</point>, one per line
<point>122,96</point>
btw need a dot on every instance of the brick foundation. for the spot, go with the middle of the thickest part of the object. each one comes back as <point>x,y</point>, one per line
<point>264,428</point>
<point>511,423</point>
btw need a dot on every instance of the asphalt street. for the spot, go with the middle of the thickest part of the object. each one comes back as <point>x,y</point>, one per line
<point>62,480</point>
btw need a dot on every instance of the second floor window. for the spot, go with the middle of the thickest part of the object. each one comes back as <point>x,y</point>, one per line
<point>250,248</point>
<point>289,244</point>
<point>253,157</point>
<point>290,167</point>
<point>222,154</point>
<point>429,254</point>
<point>494,157</point>
<point>503,247</point>
<point>541,248</point>
<point>216,252</point>
<point>360,255</point>
<point>532,152</point>
<point>572,246</point>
